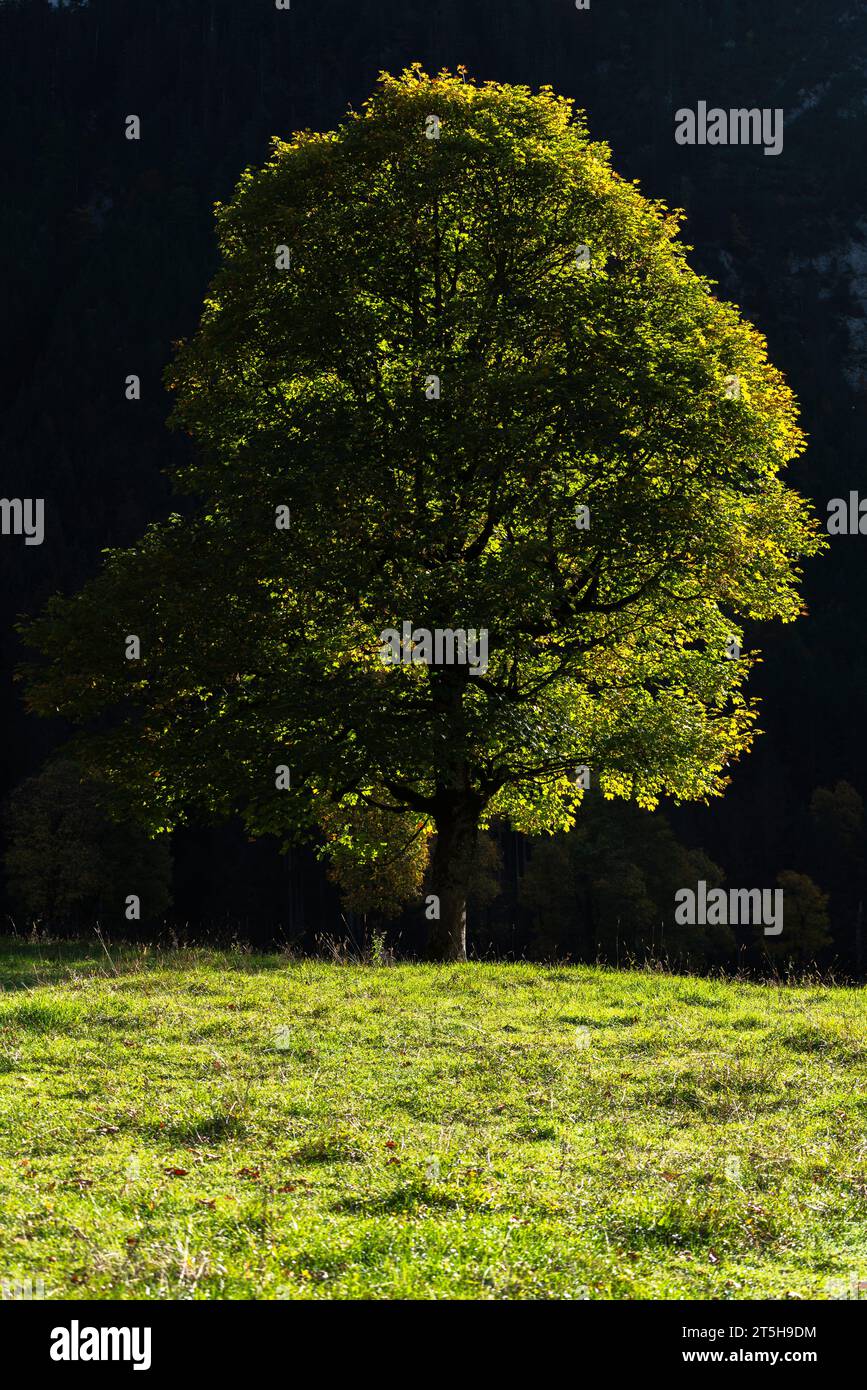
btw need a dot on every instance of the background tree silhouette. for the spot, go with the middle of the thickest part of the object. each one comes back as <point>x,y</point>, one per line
<point>72,863</point>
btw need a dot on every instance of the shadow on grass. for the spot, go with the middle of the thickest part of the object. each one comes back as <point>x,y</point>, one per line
<point>682,1229</point>
<point>712,1098</point>
<point>205,1129</point>
<point>404,1200</point>
<point>329,1148</point>
<point>28,964</point>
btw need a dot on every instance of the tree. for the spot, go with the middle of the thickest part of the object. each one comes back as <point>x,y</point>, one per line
<point>378,859</point>
<point>70,861</point>
<point>607,890</point>
<point>805,922</point>
<point>454,373</point>
<point>837,816</point>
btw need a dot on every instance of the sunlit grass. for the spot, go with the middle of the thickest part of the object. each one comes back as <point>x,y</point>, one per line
<point>207,1125</point>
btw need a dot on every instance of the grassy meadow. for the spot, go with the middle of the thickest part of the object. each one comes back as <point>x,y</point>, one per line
<point>196,1124</point>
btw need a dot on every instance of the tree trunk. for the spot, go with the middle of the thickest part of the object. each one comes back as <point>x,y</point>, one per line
<point>457,834</point>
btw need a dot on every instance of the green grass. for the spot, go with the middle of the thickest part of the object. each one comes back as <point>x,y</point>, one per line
<point>481,1131</point>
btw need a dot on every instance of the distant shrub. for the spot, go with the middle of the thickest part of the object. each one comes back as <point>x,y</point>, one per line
<point>70,862</point>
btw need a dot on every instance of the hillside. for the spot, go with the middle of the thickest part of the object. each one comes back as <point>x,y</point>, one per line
<point>196,1125</point>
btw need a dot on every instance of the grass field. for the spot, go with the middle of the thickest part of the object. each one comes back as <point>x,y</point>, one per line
<point>206,1125</point>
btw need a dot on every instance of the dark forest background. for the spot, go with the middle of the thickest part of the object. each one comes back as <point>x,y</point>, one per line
<point>107,249</point>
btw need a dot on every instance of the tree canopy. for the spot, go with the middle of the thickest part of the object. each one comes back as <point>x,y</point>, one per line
<point>453,373</point>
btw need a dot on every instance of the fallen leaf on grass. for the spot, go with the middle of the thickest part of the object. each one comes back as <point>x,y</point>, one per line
<point>176,1172</point>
